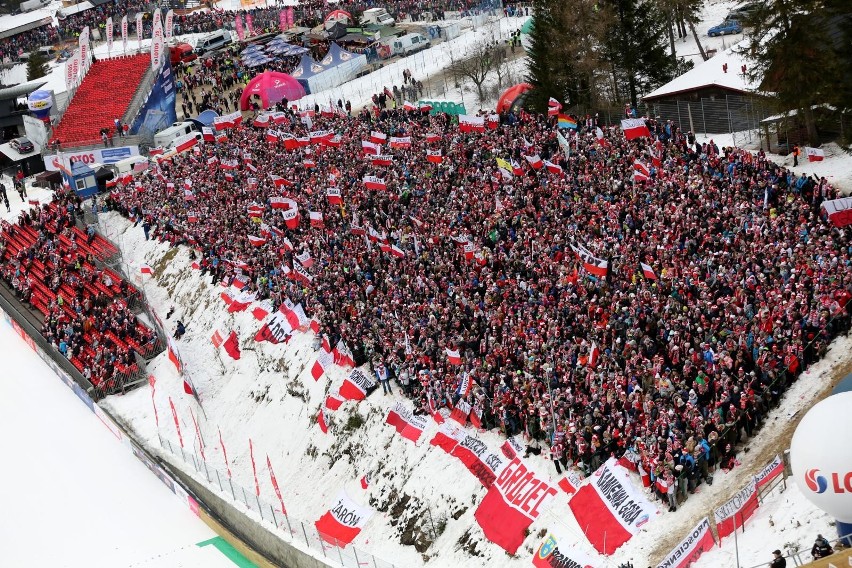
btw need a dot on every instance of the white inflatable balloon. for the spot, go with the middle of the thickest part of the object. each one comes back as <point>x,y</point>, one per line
<point>821,456</point>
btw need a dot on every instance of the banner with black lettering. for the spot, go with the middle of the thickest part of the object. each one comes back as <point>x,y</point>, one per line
<point>609,509</point>
<point>343,521</point>
<point>770,472</point>
<point>555,552</point>
<point>478,459</point>
<point>698,541</point>
<point>516,498</point>
<point>736,511</point>
<point>406,423</point>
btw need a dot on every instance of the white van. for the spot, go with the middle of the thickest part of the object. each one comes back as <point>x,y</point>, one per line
<point>408,44</point>
<point>213,41</point>
<point>132,165</point>
<point>164,138</point>
<point>378,16</point>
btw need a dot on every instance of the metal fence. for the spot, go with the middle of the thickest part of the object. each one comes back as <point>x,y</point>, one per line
<point>731,114</point>
<point>297,532</point>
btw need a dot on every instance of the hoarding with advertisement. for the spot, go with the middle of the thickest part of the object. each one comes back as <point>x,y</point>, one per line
<point>89,157</point>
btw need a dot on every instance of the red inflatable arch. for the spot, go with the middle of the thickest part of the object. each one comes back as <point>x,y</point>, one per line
<point>510,95</point>
<point>271,87</point>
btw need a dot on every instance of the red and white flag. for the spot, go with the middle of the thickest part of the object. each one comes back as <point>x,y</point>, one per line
<point>322,421</point>
<point>814,154</point>
<point>461,412</point>
<point>535,162</point>
<point>552,167</point>
<point>256,241</point>
<point>447,437</point>
<point>228,121</point>
<point>370,147</point>
<point>453,356</point>
<point>431,137</point>
<point>512,447</point>
<point>356,385</point>
<point>470,123</point>
<point>737,510</point>
<point>377,137</point>
<point>207,134</point>
<point>696,542</point>
<point>323,362</point>
<point>145,269</point>
<point>373,182</point>
<point>291,218</point>
<point>594,355</point>
<point>277,328</point>
<point>553,107</point>
<point>409,106</point>
<point>333,402</point>
<point>640,171</point>
<point>342,355</point>
<point>647,271</point>
<point>634,128</point>
<point>343,521</point>
<point>365,481</point>
<point>305,259</point>
<point>381,160</point>
<point>281,202</point>
<point>333,196</point>
<point>571,482</point>
<point>434,156</point>
<point>609,509</point>
<point>262,309</point>
<point>591,263</point>
<point>517,497</point>
<point>400,142</point>
<point>185,142</point>
<point>406,422</point>
<point>770,472</point>
<point>316,220</point>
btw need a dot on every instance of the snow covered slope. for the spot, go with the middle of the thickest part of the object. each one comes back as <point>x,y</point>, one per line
<point>270,396</point>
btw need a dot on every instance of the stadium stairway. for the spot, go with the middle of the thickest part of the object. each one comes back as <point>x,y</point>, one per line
<point>104,95</point>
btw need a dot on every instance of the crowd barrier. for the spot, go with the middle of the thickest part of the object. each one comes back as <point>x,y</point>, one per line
<point>300,533</point>
<point>208,514</point>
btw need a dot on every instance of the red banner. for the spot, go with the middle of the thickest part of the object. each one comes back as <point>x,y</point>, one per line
<point>406,423</point>
<point>177,422</point>
<point>275,484</point>
<point>697,542</point>
<point>254,469</point>
<point>224,454</point>
<point>770,472</point>
<point>736,511</point>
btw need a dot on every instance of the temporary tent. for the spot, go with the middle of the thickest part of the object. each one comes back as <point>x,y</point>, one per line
<point>271,87</point>
<point>336,68</point>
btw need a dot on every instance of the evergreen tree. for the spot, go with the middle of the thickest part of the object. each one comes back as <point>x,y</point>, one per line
<point>800,52</point>
<point>635,47</point>
<point>36,65</point>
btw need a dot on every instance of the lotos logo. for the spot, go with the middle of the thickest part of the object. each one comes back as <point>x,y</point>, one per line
<point>816,483</point>
<point>642,520</point>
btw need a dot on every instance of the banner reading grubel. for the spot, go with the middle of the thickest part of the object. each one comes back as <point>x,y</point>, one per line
<point>697,542</point>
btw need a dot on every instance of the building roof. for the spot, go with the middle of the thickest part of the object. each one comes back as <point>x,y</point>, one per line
<point>21,90</point>
<point>14,24</point>
<point>710,73</point>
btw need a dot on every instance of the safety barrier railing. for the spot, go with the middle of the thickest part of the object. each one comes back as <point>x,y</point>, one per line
<point>297,532</point>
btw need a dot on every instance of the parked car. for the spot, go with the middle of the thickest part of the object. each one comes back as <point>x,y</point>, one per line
<point>743,12</point>
<point>725,28</point>
<point>22,145</point>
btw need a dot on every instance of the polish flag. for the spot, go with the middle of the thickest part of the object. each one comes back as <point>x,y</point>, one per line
<point>377,137</point>
<point>453,356</point>
<point>342,523</point>
<point>262,120</point>
<point>333,195</point>
<point>460,412</point>
<point>279,202</point>
<point>322,422</point>
<point>597,506</point>
<point>207,134</point>
<point>185,142</point>
<point>288,246</point>
<point>262,309</point>
<point>365,481</point>
<point>647,271</point>
<point>512,447</point>
<point>309,163</point>
<point>241,301</point>
<point>425,107</point>
<point>517,169</point>
<point>277,328</point>
<point>356,385</point>
<point>319,136</point>
<point>397,252</point>
<point>342,355</point>
<point>447,437</point>
<point>218,338</point>
<point>400,142</point>
<point>332,402</point>
<point>290,143</point>
<point>814,154</point>
<point>316,219</point>
<point>381,160</point>
<point>291,218</point>
<point>305,259</point>
<point>433,410</point>
<point>470,123</point>
<point>552,168</point>
<point>301,274</point>
<point>431,137</point>
<point>434,156</point>
<point>640,171</point>
<point>369,147</point>
<point>571,482</point>
<point>373,182</point>
<point>228,121</point>
<point>232,346</point>
<point>591,263</point>
<point>409,106</point>
<point>256,241</point>
<point>324,360</point>
<point>272,137</point>
<point>594,355</point>
<point>553,107</point>
<point>534,161</point>
<point>145,269</point>
<point>634,128</point>
<point>334,142</point>
<point>406,422</point>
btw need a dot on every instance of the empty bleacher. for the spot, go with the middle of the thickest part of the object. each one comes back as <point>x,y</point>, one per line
<point>104,95</point>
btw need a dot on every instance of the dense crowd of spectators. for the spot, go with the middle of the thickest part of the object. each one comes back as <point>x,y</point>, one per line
<point>14,46</point>
<point>751,283</point>
<point>88,319</point>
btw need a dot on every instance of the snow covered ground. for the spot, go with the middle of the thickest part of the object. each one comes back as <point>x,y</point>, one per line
<point>270,397</point>
<point>72,496</point>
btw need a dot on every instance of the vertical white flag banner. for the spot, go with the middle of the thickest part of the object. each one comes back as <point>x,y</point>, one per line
<point>109,31</point>
<point>124,33</point>
<point>84,49</point>
<point>139,31</point>
<point>170,22</point>
<point>157,42</point>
